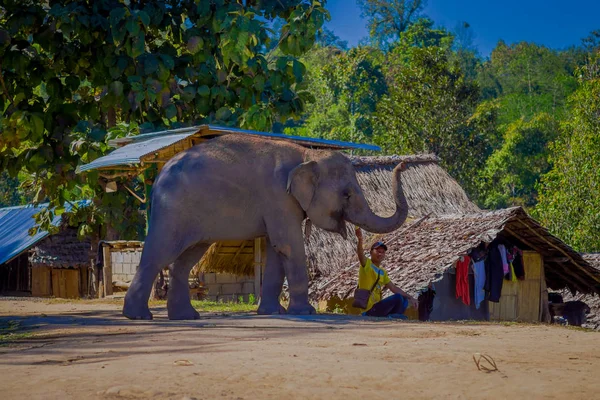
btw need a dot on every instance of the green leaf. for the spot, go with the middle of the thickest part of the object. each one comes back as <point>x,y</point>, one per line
<point>38,125</point>
<point>116,15</point>
<point>195,44</point>
<point>133,26</point>
<point>171,111</point>
<point>223,114</point>
<point>204,91</point>
<point>188,94</point>
<point>144,17</point>
<point>116,88</point>
<point>299,70</point>
<point>150,65</point>
<point>168,61</point>
<point>138,45</point>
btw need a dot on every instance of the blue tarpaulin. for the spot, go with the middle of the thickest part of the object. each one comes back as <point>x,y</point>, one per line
<point>15,223</point>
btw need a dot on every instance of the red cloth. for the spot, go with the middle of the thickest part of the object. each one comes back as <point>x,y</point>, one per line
<point>462,280</point>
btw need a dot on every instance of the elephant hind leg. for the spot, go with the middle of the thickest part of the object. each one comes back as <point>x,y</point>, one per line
<point>179,305</point>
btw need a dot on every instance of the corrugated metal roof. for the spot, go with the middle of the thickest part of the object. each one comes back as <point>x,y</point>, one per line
<point>131,153</point>
<point>15,223</point>
<point>133,148</point>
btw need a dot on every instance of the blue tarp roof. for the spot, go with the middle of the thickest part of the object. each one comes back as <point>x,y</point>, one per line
<point>136,147</point>
<point>15,223</point>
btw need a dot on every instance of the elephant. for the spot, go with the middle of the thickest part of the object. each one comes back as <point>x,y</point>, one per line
<point>241,187</point>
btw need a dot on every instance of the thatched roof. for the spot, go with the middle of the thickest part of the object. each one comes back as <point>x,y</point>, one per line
<point>422,251</point>
<point>593,259</point>
<point>593,319</point>
<point>62,250</point>
<point>429,189</point>
<point>229,257</point>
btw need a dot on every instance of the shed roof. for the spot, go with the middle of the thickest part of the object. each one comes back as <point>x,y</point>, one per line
<point>15,223</point>
<point>62,250</point>
<point>423,250</point>
<point>593,259</point>
<point>138,149</point>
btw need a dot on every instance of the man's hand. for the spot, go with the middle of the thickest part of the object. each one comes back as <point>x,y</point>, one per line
<point>358,232</point>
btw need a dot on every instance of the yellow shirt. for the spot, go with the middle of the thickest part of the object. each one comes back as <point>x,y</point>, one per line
<point>367,276</point>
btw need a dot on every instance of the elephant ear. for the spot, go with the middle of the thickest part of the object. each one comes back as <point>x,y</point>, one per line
<point>302,182</point>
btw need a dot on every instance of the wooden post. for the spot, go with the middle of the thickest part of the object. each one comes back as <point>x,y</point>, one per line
<point>107,271</point>
<point>258,261</point>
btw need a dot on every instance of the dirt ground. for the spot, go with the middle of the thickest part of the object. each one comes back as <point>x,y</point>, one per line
<point>88,350</point>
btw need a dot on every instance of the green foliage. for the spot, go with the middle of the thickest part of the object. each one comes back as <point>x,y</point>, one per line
<point>569,203</point>
<point>72,70</point>
<point>346,89</point>
<point>513,170</point>
<point>429,104</point>
<point>388,19</point>
<point>530,78</point>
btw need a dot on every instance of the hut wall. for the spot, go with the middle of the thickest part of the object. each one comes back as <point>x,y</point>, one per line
<point>520,301</point>
<point>447,307</point>
<point>124,263</point>
<point>14,275</point>
<point>64,283</point>
<point>41,282</point>
<point>227,287</point>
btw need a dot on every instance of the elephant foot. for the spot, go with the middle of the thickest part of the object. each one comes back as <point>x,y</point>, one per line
<point>301,309</point>
<point>274,309</point>
<point>184,313</point>
<point>137,312</point>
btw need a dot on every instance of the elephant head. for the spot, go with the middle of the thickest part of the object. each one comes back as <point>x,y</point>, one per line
<point>326,188</point>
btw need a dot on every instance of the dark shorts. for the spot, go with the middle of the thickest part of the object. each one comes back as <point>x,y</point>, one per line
<point>394,304</point>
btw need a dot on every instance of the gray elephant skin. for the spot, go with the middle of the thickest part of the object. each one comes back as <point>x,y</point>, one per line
<point>240,187</point>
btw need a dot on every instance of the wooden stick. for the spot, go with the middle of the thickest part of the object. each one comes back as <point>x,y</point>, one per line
<point>238,252</point>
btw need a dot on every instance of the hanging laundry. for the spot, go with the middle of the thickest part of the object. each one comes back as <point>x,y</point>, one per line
<point>512,276</point>
<point>462,279</point>
<point>494,273</point>
<point>479,274</point>
<point>505,266</point>
<point>519,269</point>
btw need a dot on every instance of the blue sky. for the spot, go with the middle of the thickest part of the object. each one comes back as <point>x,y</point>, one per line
<point>553,23</point>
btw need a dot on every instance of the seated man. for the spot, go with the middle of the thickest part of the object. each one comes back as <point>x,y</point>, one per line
<point>370,268</point>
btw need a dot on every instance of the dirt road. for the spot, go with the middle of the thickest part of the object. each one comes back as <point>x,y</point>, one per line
<point>87,350</point>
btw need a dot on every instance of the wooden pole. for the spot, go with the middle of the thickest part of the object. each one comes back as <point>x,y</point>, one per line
<point>257,267</point>
<point>107,271</point>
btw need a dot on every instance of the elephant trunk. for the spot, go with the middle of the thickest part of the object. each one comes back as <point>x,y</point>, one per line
<point>362,215</point>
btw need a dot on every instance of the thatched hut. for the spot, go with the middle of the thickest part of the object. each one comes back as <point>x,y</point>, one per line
<point>593,319</point>
<point>61,266</point>
<point>42,264</point>
<point>425,251</point>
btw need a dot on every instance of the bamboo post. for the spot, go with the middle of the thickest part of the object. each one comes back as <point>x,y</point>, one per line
<point>257,267</point>
<point>107,271</point>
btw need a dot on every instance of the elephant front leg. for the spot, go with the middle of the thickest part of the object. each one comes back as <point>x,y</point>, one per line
<point>293,258</point>
<point>272,284</point>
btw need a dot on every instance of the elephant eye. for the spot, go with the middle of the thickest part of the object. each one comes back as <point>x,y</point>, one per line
<point>347,194</point>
